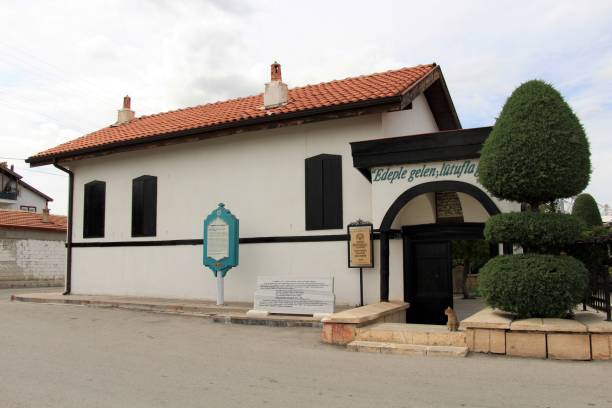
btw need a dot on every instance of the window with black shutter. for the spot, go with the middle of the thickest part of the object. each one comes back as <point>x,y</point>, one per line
<point>324,192</point>
<point>144,206</point>
<point>93,209</point>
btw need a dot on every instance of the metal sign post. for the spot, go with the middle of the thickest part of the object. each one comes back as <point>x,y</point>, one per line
<point>220,245</point>
<point>360,249</point>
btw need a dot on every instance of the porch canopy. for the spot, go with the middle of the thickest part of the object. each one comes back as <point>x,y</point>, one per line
<point>437,149</point>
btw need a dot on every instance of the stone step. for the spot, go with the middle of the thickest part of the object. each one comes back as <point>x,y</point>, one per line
<point>406,349</point>
<point>416,334</point>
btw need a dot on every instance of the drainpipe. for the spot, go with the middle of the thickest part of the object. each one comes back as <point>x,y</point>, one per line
<point>69,240</point>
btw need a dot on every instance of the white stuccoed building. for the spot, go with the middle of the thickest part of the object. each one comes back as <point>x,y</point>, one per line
<point>295,166</point>
<point>16,194</point>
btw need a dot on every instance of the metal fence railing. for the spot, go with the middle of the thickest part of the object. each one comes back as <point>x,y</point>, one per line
<point>598,294</point>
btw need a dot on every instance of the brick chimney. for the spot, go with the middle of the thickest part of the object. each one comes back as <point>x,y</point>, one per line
<point>276,92</point>
<point>126,114</point>
<point>45,215</point>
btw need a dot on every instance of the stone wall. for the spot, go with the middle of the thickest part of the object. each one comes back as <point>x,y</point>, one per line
<point>32,256</point>
<point>586,337</point>
<point>341,328</point>
<point>448,207</point>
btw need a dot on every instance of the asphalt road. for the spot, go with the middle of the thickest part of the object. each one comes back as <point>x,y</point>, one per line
<point>77,356</point>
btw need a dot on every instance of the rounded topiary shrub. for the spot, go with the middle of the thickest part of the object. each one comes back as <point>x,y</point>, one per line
<point>535,232</point>
<point>533,285</point>
<point>537,150</point>
<point>585,208</point>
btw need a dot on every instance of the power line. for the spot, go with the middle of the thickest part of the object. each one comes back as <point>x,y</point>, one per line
<point>52,72</point>
<point>11,158</point>
<point>40,171</point>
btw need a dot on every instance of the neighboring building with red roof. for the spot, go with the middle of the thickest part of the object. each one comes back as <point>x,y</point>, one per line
<point>16,194</point>
<point>294,165</point>
<point>32,249</point>
<point>33,221</point>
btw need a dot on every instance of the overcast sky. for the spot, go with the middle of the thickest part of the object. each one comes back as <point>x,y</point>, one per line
<point>65,66</point>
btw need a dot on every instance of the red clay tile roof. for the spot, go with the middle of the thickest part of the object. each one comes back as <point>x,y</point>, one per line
<point>334,93</point>
<point>29,220</point>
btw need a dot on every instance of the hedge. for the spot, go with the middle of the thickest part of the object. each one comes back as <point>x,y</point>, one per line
<point>534,285</point>
<point>535,232</point>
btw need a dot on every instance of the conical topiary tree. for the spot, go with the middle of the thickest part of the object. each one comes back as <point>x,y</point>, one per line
<point>537,152</point>
<point>585,208</point>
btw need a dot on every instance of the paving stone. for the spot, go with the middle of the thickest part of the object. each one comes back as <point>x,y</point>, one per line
<point>368,313</point>
<point>469,338</point>
<point>407,349</point>
<point>482,341</point>
<point>326,333</point>
<point>563,325</point>
<point>533,324</point>
<point>447,351</point>
<point>498,341</point>
<point>563,346</point>
<point>601,346</point>
<point>342,333</point>
<point>524,344</point>
<point>404,349</point>
<point>594,323</point>
<point>488,319</point>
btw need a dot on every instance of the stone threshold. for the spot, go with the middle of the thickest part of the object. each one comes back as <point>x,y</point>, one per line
<point>586,337</point>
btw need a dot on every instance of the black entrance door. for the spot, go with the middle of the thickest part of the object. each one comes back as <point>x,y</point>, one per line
<point>427,280</point>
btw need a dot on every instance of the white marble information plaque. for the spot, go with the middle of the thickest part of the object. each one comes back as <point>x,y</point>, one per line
<point>218,240</point>
<point>302,296</point>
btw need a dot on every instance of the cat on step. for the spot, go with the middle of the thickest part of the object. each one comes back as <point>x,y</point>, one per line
<point>453,323</point>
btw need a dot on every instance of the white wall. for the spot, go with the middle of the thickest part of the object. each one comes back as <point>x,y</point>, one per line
<point>29,198</point>
<point>419,210</point>
<point>260,178</point>
<point>414,121</point>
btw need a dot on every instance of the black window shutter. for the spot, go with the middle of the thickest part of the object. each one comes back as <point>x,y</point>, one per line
<point>314,193</point>
<point>144,206</point>
<point>332,192</point>
<point>94,209</point>
<point>324,192</point>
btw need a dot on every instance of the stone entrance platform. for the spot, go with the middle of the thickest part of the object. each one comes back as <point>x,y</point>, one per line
<point>381,328</point>
<point>410,339</point>
<point>586,337</point>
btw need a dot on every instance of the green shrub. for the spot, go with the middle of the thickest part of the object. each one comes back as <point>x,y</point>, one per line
<point>535,232</point>
<point>586,209</point>
<point>537,150</point>
<point>534,285</point>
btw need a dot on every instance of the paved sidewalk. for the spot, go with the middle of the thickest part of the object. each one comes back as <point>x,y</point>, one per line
<point>231,312</point>
<point>202,307</point>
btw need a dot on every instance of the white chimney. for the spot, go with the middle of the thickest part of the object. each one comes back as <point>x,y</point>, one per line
<point>126,114</point>
<point>277,92</point>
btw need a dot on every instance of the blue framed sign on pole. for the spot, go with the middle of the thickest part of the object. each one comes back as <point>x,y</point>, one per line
<point>221,239</point>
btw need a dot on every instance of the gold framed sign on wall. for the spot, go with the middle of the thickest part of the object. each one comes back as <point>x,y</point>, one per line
<point>360,249</point>
<point>360,245</point>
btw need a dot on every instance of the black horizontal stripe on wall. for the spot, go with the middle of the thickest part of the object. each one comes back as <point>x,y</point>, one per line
<point>253,240</point>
